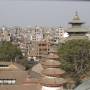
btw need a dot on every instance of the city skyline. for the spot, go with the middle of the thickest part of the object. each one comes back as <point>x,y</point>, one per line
<point>54,13</point>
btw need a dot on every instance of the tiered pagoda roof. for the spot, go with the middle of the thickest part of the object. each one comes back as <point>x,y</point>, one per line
<point>53,56</point>
<point>77,31</point>
<point>52,75</point>
<point>54,72</point>
<point>50,63</point>
<point>76,25</point>
<point>76,19</point>
<point>53,82</point>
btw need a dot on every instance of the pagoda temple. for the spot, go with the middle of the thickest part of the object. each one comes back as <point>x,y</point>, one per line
<point>51,73</point>
<point>77,31</point>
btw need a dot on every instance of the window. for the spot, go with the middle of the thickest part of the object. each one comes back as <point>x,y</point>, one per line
<point>3,65</point>
<point>7,81</point>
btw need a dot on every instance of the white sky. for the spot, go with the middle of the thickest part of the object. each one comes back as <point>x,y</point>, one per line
<point>21,12</point>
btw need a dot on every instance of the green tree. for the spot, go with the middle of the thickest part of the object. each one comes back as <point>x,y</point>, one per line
<point>8,51</point>
<point>75,57</point>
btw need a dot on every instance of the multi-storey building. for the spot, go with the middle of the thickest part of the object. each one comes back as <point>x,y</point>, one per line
<point>38,49</point>
<point>58,35</point>
<point>5,35</point>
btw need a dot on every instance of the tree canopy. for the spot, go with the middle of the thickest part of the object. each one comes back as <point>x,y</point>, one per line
<point>75,57</point>
<point>8,51</point>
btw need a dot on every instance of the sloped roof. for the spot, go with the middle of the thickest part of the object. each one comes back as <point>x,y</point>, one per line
<point>84,86</point>
<point>37,68</point>
<point>51,63</point>
<point>53,72</point>
<point>53,50</point>
<point>52,56</point>
<point>12,71</point>
<point>52,81</point>
<point>12,66</point>
<point>78,29</point>
<point>21,87</point>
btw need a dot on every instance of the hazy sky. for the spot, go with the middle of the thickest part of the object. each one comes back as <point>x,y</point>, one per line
<point>21,12</point>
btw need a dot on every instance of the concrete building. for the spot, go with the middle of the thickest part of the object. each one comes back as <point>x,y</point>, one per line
<point>37,34</point>
<point>38,49</point>
<point>5,35</point>
<point>58,35</point>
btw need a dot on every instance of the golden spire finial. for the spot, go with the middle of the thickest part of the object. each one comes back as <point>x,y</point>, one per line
<point>76,13</point>
<point>76,17</point>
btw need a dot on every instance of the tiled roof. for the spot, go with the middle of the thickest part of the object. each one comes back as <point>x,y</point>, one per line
<point>53,72</point>
<point>21,87</point>
<point>52,82</point>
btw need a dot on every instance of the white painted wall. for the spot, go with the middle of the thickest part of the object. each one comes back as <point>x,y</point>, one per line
<point>52,88</point>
